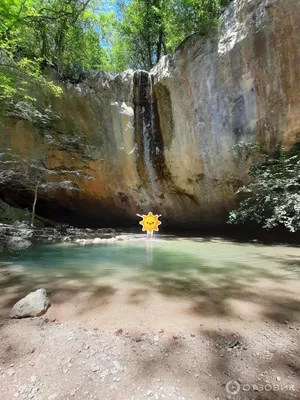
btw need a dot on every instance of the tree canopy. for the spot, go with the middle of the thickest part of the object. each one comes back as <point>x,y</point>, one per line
<point>271,198</point>
<point>148,29</point>
<point>73,37</point>
<point>78,35</point>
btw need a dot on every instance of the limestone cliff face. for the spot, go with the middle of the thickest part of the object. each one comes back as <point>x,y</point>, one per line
<point>162,141</point>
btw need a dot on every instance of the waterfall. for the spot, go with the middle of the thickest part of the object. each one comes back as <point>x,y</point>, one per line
<point>144,124</point>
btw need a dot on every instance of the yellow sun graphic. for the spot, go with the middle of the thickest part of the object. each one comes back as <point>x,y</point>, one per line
<point>150,222</point>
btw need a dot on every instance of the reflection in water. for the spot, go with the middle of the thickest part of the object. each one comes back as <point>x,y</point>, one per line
<point>149,251</point>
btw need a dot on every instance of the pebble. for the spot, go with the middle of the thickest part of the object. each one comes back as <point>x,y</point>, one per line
<point>105,373</point>
<point>137,337</point>
<point>149,393</point>
<point>33,378</point>
<point>117,364</point>
<point>278,379</point>
<point>119,332</point>
<point>95,368</point>
<point>10,372</point>
<point>233,343</point>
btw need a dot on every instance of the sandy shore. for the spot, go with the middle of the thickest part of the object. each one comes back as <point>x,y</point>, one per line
<point>132,335</point>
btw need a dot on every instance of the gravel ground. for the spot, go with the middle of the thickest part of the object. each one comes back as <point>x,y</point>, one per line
<point>46,359</point>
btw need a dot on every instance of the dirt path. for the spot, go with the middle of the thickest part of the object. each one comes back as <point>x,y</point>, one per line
<point>45,359</point>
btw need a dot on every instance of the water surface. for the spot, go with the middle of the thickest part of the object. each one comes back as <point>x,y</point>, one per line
<point>165,256</point>
<point>213,276</point>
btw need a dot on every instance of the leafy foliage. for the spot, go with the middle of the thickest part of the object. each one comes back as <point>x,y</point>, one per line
<point>149,29</point>
<point>272,197</point>
<point>75,36</point>
<point>60,34</point>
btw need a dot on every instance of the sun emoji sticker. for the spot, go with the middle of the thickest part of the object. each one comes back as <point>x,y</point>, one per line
<point>149,222</point>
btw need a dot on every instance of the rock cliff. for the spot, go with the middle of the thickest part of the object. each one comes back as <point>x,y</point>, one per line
<point>161,141</point>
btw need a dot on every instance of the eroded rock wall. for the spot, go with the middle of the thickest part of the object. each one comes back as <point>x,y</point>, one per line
<point>162,141</point>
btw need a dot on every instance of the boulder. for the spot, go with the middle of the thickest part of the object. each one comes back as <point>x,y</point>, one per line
<point>34,304</point>
<point>18,243</point>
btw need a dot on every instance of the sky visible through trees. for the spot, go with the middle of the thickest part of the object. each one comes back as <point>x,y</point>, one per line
<point>73,37</point>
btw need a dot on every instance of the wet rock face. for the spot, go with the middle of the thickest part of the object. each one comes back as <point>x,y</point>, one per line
<point>162,141</point>
<point>17,243</point>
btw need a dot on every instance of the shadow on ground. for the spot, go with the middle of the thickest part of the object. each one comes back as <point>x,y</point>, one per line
<point>210,288</point>
<point>16,285</point>
<point>210,361</point>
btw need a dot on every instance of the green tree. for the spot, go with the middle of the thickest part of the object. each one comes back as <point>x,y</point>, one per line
<point>64,35</point>
<point>117,52</point>
<point>60,33</point>
<point>17,71</point>
<point>141,32</point>
<point>76,36</point>
<point>272,197</point>
<point>186,17</point>
<point>149,29</point>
